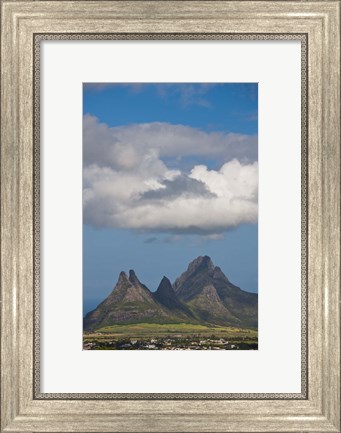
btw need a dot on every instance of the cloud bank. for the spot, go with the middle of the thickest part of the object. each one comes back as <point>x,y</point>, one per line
<point>128,181</point>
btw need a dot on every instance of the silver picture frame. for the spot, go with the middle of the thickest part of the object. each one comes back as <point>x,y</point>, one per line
<point>24,25</point>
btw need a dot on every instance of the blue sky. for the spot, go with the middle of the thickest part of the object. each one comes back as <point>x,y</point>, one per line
<point>170,172</point>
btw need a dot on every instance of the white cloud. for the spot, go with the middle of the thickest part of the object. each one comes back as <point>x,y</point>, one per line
<point>128,185</point>
<point>233,181</point>
<point>125,146</point>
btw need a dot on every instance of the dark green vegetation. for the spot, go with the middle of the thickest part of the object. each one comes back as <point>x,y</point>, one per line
<point>201,303</point>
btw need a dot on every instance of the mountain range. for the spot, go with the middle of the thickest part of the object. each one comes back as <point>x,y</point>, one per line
<point>201,295</point>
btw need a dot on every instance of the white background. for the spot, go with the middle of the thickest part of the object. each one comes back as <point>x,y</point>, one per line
<point>275,367</point>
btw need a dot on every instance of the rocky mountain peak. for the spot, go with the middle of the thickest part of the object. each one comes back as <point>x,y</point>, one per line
<point>200,263</point>
<point>165,286</point>
<point>123,278</point>
<point>133,278</point>
<point>166,296</point>
<point>201,268</point>
<point>218,274</point>
<point>202,294</point>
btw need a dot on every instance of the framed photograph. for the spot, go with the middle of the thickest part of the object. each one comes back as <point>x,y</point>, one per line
<point>170,216</point>
<point>157,193</point>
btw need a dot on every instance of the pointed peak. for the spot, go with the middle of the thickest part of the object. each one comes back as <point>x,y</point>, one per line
<point>122,277</point>
<point>202,262</point>
<point>165,285</point>
<point>219,274</point>
<point>132,277</point>
<point>207,260</point>
<point>122,281</point>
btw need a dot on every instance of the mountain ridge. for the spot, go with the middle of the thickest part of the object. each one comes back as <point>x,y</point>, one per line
<point>200,295</point>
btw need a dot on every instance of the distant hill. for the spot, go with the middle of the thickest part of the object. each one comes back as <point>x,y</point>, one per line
<point>201,295</point>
